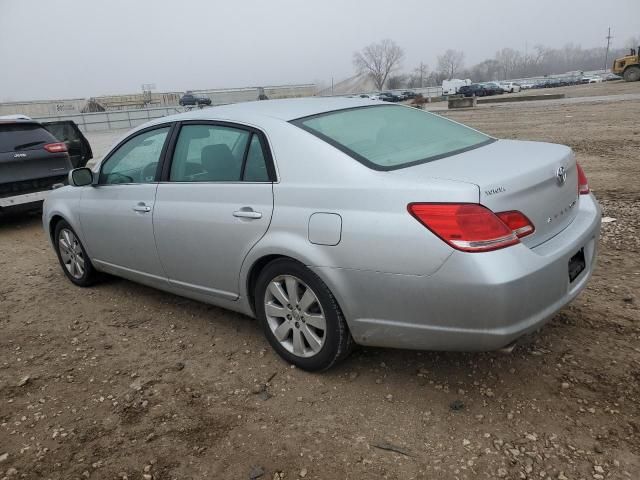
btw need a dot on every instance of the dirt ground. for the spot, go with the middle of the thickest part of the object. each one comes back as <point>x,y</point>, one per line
<point>124,382</point>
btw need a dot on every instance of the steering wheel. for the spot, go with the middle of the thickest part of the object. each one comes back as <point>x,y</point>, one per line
<point>117,177</point>
<point>149,172</point>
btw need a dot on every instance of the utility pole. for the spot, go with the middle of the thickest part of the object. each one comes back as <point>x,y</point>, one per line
<point>422,69</point>
<point>606,55</point>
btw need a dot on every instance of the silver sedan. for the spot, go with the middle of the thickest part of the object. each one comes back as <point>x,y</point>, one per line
<point>337,221</point>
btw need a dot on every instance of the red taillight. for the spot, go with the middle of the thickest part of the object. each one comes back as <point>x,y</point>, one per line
<point>517,222</point>
<point>583,183</point>
<point>55,147</point>
<point>464,226</point>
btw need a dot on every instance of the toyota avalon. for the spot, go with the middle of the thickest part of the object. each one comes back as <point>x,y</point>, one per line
<point>337,221</point>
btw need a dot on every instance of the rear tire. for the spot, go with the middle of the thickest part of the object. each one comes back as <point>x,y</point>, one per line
<point>300,316</point>
<point>72,256</point>
<point>632,74</point>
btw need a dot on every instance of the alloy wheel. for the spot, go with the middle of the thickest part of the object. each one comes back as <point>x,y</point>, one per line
<point>71,253</point>
<point>295,316</point>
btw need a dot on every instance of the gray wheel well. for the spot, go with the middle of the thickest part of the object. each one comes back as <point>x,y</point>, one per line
<point>52,225</point>
<point>254,273</point>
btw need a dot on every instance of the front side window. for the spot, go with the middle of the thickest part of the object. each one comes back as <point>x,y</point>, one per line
<point>135,161</point>
<point>217,153</point>
<point>388,137</point>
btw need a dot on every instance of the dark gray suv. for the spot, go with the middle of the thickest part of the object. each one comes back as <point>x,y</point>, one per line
<point>35,158</point>
<point>189,99</point>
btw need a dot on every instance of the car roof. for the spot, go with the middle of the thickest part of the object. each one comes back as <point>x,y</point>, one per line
<point>19,121</point>
<point>284,109</point>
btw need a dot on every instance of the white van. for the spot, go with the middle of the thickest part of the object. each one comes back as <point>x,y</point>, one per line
<point>451,87</point>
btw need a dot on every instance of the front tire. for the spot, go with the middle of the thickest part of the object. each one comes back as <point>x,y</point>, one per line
<point>300,316</point>
<point>632,74</point>
<point>72,256</point>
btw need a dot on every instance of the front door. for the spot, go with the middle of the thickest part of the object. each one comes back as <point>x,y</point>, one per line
<point>116,214</point>
<point>214,205</point>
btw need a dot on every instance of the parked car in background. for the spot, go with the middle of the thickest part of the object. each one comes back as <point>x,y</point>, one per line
<point>493,88</point>
<point>510,87</point>
<point>607,77</point>
<point>370,96</point>
<point>591,79</point>
<point>527,85</point>
<point>336,221</point>
<point>35,158</point>
<point>388,97</point>
<point>409,94</point>
<point>190,99</point>
<point>473,90</point>
<point>77,144</point>
<point>546,83</point>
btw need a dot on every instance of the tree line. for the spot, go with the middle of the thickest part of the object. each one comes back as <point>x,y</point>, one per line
<point>382,62</point>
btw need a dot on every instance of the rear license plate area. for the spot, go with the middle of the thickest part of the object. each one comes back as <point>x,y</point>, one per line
<point>576,265</point>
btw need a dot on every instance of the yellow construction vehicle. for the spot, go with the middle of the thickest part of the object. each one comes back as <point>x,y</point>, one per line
<point>629,66</point>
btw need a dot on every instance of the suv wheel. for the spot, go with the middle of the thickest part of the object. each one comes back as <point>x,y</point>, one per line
<point>300,316</point>
<point>73,258</point>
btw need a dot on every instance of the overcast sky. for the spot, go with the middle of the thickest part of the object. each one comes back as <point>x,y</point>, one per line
<point>82,48</point>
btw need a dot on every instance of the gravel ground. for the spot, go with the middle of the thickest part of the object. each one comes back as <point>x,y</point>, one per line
<point>124,382</point>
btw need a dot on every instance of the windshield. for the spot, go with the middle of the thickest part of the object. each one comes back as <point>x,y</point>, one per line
<point>390,137</point>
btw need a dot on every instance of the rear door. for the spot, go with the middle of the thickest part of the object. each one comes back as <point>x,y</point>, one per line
<point>78,146</point>
<point>214,203</point>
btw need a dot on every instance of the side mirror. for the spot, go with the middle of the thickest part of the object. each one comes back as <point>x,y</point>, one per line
<point>80,177</point>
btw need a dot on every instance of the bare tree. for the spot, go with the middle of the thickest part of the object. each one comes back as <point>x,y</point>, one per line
<point>450,63</point>
<point>378,60</point>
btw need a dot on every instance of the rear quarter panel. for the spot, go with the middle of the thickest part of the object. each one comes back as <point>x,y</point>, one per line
<point>378,233</point>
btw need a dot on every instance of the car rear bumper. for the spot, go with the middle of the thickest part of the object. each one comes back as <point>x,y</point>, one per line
<point>475,301</point>
<point>24,199</point>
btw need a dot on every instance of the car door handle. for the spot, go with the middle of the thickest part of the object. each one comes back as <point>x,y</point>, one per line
<point>247,213</point>
<point>142,208</point>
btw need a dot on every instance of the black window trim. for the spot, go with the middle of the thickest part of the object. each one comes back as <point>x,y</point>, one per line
<point>298,122</point>
<point>266,151</point>
<point>161,159</point>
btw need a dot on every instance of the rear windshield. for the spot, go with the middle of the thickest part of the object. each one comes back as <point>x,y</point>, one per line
<point>23,136</point>
<point>391,137</point>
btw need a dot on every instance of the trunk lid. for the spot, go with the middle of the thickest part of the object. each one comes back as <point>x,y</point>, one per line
<point>516,175</point>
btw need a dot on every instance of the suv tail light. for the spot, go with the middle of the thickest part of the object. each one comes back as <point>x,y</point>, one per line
<point>583,183</point>
<point>465,226</point>
<point>55,147</point>
<point>517,222</point>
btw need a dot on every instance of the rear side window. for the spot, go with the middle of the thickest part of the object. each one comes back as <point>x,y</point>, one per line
<point>209,153</point>
<point>390,137</point>
<point>255,169</point>
<point>218,153</point>
<point>23,136</point>
<point>63,131</point>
